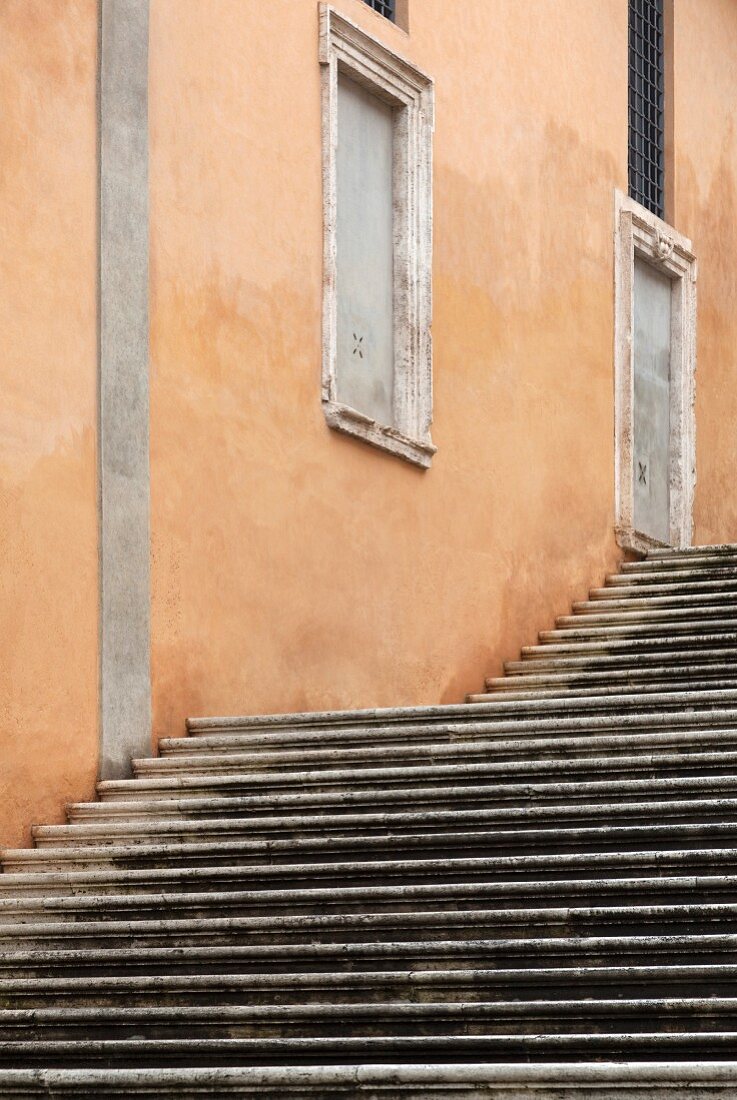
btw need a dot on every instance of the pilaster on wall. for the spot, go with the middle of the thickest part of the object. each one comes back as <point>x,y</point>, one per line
<point>125,688</point>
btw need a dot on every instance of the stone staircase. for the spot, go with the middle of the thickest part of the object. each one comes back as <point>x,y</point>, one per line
<point>530,895</point>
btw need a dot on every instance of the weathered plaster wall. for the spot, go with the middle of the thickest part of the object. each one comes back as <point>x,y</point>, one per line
<point>296,568</point>
<point>705,132</point>
<point>48,512</point>
<point>292,567</point>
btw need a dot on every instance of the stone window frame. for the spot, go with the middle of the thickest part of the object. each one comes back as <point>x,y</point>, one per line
<point>639,233</point>
<point>346,49</point>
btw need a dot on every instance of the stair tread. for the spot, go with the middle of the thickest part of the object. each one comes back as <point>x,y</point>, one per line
<point>516,838</point>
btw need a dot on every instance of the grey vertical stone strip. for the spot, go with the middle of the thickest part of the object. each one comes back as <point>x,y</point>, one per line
<point>123,386</point>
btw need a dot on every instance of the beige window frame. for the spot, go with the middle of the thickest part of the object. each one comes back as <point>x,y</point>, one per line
<point>348,50</point>
<point>640,233</point>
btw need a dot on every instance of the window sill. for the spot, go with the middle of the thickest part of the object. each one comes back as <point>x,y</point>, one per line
<point>345,419</point>
<point>629,539</point>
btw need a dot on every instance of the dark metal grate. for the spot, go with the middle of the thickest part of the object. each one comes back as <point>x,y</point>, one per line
<point>646,82</point>
<point>384,7</point>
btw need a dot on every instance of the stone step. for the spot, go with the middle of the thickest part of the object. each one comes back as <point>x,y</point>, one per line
<point>531,738</point>
<point>681,1080</point>
<point>182,829</point>
<point>459,717</point>
<point>465,796</point>
<point>634,713</point>
<point>518,688</point>
<point>662,643</point>
<point>723,573</point>
<point>659,552</point>
<point>561,718</point>
<point>342,724</point>
<point>724,660</point>
<point>592,615</point>
<point>319,726</point>
<point>604,600</point>
<point>656,629</point>
<point>618,587</point>
<point>241,1053</point>
<point>680,679</point>
<point>452,843</point>
<point>678,762</point>
<point>338,927</point>
<point>360,725</point>
<point>323,721</point>
<point>358,986</point>
<point>329,957</point>
<point>637,888</point>
<point>401,1018</point>
<point>345,873</point>
<point>677,563</point>
<point>613,692</point>
<point>457,751</point>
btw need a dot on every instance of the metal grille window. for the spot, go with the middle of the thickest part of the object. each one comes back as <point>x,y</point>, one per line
<point>384,7</point>
<point>646,93</point>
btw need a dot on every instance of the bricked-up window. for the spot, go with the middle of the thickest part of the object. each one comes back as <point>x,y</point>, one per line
<point>377,123</point>
<point>646,95</point>
<point>384,7</point>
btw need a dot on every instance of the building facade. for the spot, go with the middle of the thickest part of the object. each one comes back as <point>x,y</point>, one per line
<point>294,423</point>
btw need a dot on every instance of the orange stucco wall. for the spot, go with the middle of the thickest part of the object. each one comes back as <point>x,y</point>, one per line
<point>295,568</point>
<point>705,125</point>
<point>48,497</point>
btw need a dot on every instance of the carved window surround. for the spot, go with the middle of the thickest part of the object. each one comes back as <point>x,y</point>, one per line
<point>345,48</point>
<point>640,233</point>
